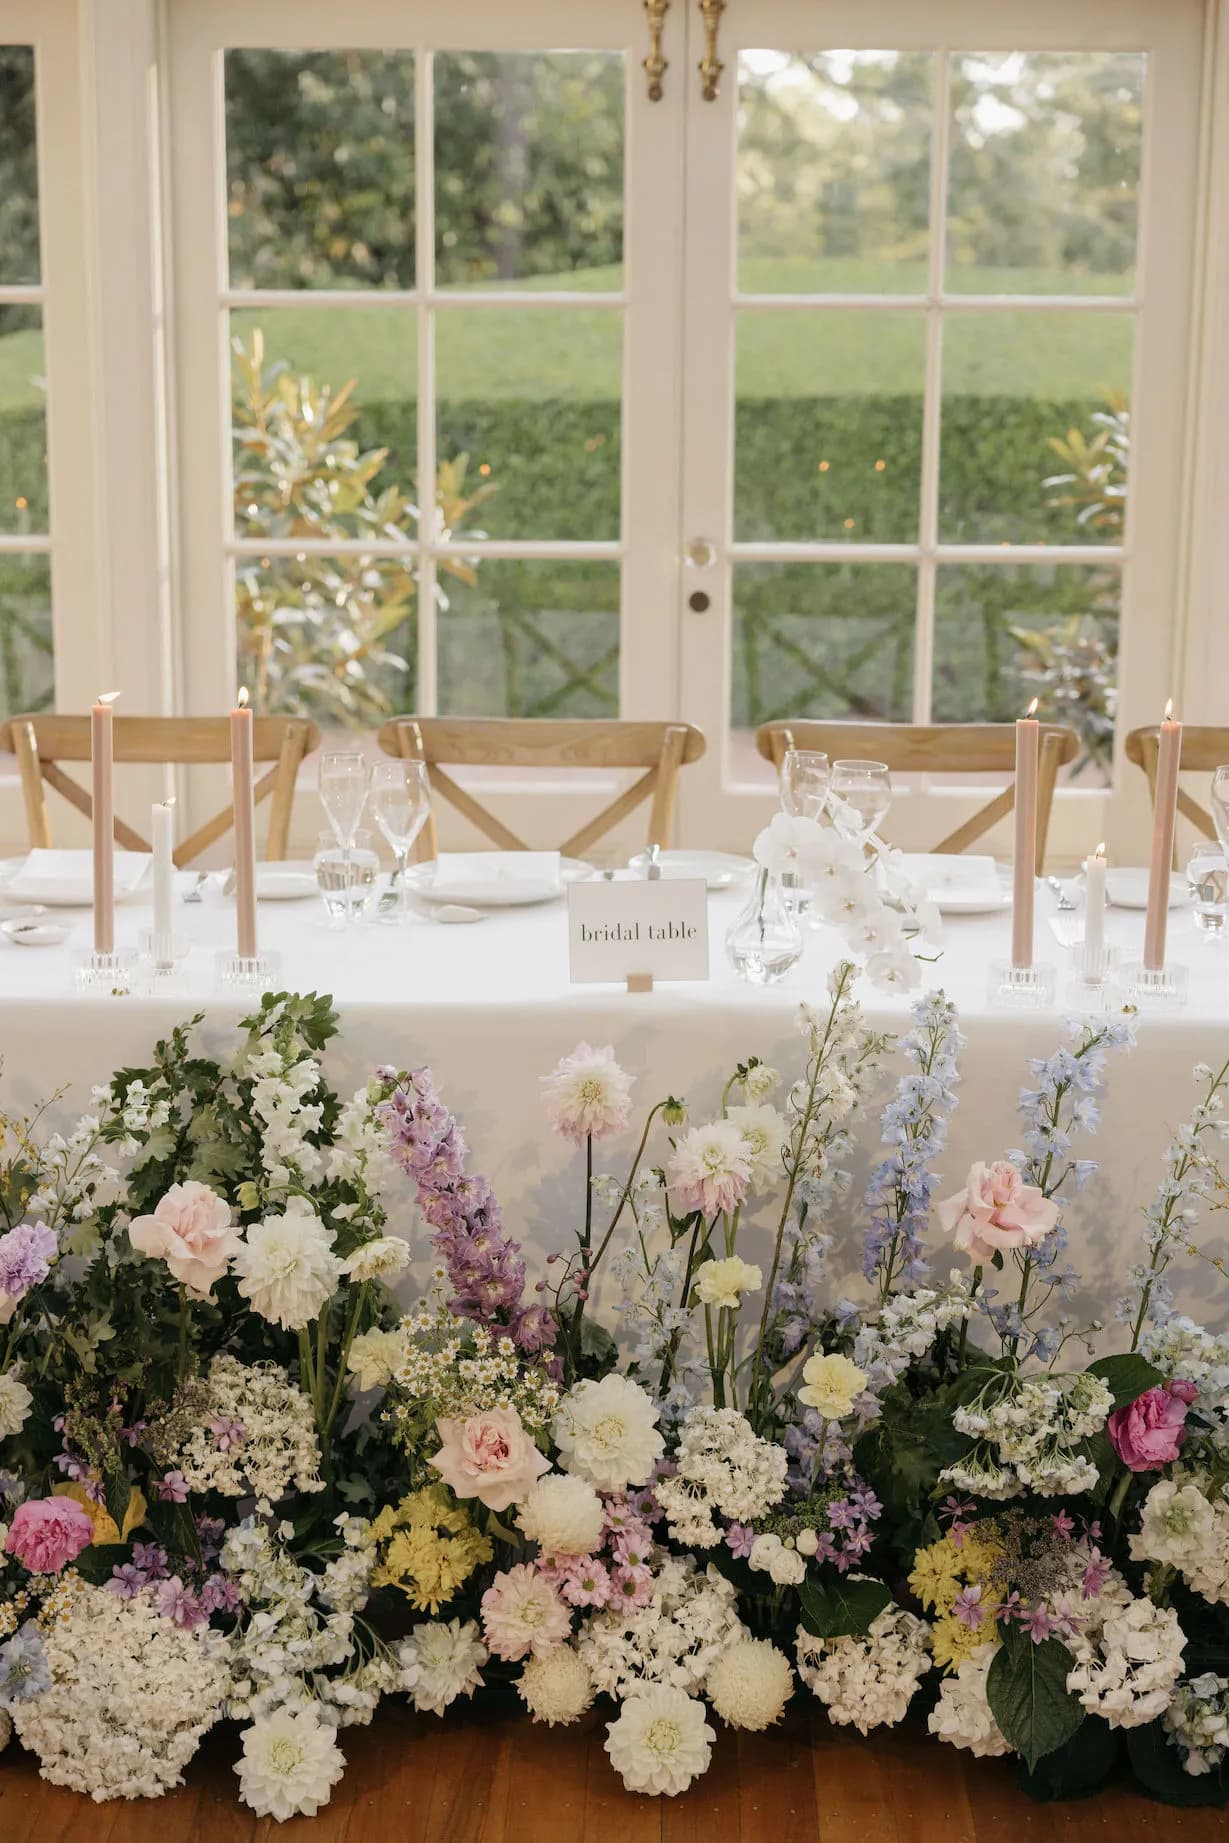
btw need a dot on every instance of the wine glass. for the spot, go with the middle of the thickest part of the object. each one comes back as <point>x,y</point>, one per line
<point>400,796</point>
<point>806,775</point>
<point>1220,805</point>
<point>861,796</point>
<point>343,791</point>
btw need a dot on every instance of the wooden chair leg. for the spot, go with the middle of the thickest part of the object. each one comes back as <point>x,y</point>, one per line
<point>25,746</point>
<point>281,806</point>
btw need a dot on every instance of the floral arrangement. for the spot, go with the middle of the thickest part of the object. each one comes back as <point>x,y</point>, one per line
<point>671,1476</point>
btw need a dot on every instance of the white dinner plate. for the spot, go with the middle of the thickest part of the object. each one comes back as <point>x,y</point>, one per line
<point>502,890</point>
<point>75,891</point>
<point>973,886</point>
<point>720,870</point>
<point>1126,887</point>
<point>285,882</point>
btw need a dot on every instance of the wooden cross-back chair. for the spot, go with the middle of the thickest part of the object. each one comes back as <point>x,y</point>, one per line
<point>42,743</point>
<point>937,748</point>
<point>660,749</point>
<point>1203,751</point>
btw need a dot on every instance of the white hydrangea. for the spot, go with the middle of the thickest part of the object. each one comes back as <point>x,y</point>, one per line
<point>448,1656</point>
<point>962,1714</point>
<point>256,1438</point>
<point>1197,1722</point>
<point>675,1638</point>
<point>286,1267</point>
<point>1181,1527</point>
<point>1032,1434</point>
<point>1126,1674</point>
<point>131,1695</point>
<point>723,1469</point>
<point>750,1684</point>
<point>661,1741</point>
<point>563,1514</point>
<point>15,1402</point>
<point>557,1687</point>
<point>867,1682</point>
<point>784,1566</point>
<point>290,1764</point>
<point>607,1432</point>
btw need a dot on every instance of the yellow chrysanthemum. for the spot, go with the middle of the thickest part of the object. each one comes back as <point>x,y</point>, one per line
<point>978,1553</point>
<point>432,1547</point>
<point>952,1641</point>
<point>936,1575</point>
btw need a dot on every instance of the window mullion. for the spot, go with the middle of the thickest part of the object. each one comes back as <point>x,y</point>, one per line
<point>424,276</point>
<point>932,398</point>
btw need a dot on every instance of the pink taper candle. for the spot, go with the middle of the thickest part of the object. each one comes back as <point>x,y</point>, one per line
<point>1024,867</point>
<point>245,827</point>
<point>102,757</point>
<point>1164,817</point>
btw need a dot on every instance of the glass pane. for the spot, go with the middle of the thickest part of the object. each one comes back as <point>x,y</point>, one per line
<point>324,418</point>
<point>23,421</point>
<point>819,640</point>
<point>833,171</point>
<point>1043,196</point>
<point>529,640</point>
<point>1008,633</point>
<point>26,675</point>
<point>18,167</point>
<point>332,638</point>
<point>320,168</point>
<point>828,425</point>
<point>529,168</point>
<point>1034,428</point>
<point>532,399</point>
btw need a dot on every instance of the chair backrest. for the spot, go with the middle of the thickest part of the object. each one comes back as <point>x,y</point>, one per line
<point>1203,750</point>
<point>42,743</point>
<point>660,749</point>
<point>938,748</point>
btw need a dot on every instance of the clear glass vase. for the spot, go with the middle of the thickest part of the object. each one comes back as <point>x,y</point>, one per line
<point>764,940</point>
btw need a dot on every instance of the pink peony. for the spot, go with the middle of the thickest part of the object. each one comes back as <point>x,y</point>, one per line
<point>191,1231</point>
<point>996,1212</point>
<point>1148,1433</point>
<point>489,1456</point>
<point>47,1532</point>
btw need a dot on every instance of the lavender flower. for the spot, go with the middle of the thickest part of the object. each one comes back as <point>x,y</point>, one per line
<point>23,1668</point>
<point>26,1256</point>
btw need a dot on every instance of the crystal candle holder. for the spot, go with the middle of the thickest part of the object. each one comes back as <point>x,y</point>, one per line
<point>160,966</point>
<point>109,974</point>
<point>1156,988</point>
<point>1092,985</point>
<point>250,972</point>
<point>1021,988</point>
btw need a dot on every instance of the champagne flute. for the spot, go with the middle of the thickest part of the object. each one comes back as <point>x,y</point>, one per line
<point>400,796</point>
<point>861,796</point>
<point>806,776</point>
<point>343,791</point>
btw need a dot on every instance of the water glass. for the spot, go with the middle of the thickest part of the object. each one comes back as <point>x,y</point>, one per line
<point>861,796</point>
<point>1220,805</point>
<point>806,775</point>
<point>343,791</point>
<point>400,797</point>
<point>1208,876</point>
<point>347,876</point>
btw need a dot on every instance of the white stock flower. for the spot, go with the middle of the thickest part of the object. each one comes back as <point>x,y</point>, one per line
<point>763,1130</point>
<point>563,1515</point>
<point>661,1741</point>
<point>15,1403</point>
<point>382,1259</point>
<point>588,1095</point>
<point>962,1714</point>
<point>556,1687</point>
<point>722,1283</point>
<point>831,1385</point>
<point>784,1567</point>
<point>287,1268</point>
<point>291,1762</point>
<point>751,1683</point>
<point>449,1655</point>
<point>607,1432</point>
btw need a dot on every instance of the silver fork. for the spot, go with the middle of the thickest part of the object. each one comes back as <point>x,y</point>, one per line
<point>194,894</point>
<point>1065,902</point>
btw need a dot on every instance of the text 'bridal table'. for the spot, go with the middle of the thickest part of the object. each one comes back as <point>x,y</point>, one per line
<point>489,1008</point>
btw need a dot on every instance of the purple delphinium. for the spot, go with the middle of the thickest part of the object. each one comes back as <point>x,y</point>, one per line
<point>914,1127</point>
<point>26,1256</point>
<point>484,1266</point>
<point>24,1671</point>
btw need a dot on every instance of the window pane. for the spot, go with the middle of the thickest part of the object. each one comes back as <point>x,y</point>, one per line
<point>532,398</point>
<point>320,169</point>
<point>23,421</point>
<point>822,640</point>
<point>529,640</point>
<point>529,168</point>
<point>1044,179</point>
<point>324,421</point>
<point>1008,633</point>
<point>1014,384</point>
<point>26,677</point>
<point>18,167</point>
<point>332,638</point>
<point>833,171</point>
<point>828,425</point>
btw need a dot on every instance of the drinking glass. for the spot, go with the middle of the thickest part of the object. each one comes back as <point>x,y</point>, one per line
<point>346,875</point>
<point>343,790</point>
<point>1220,805</point>
<point>400,796</point>
<point>1208,876</point>
<point>861,796</point>
<point>806,775</point>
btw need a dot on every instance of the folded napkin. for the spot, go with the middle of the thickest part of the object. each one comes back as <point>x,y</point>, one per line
<point>68,876</point>
<point>464,867</point>
<point>951,874</point>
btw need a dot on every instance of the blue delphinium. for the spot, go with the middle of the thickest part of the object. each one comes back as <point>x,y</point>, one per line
<point>24,1672</point>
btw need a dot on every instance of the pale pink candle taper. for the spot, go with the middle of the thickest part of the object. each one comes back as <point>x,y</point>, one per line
<point>245,827</point>
<point>102,759</point>
<point>1164,818</point>
<point>1024,867</point>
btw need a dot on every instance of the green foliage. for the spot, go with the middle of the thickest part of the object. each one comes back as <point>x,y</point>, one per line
<point>840,1607</point>
<point>1027,1691</point>
<point>1078,1768</point>
<point>1127,1375</point>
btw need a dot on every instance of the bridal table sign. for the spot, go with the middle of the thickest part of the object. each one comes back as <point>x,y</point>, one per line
<point>639,930</point>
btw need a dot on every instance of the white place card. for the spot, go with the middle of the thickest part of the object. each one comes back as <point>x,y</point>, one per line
<point>637,929</point>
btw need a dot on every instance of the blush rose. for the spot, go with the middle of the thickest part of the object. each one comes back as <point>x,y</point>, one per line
<point>191,1231</point>
<point>47,1532</point>
<point>489,1456</point>
<point>1148,1433</point>
<point>996,1212</point>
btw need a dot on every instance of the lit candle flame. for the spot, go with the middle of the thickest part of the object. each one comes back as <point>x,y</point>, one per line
<point>1100,850</point>
<point>107,697</point>
<point>1032,709</point>
<point>241,700</point>
<point>1169,711</point>
<point>169,802</point>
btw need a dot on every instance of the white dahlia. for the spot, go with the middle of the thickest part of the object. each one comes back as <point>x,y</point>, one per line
<point>588,1096</point>
<point>15,1403</point>
<point>291,1762</point>
<point>661,1741</point>
<point>449,1655</point>
<point>751,1683</point>
<point>563,1515</point>
<point>556,1687</point>
<point>287,1268</point>
<point>607,1432</point>
<point>763,1131</point>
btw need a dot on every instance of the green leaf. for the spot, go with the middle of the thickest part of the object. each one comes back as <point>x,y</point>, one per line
<point>118,1493</point>
<point>598,1349</point>
<point>842,1608</point>
<point>1158,1767</point>
<point>1028,1696</point>
<point>1127,1376</point>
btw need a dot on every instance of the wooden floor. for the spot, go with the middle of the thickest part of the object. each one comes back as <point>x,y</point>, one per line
<point>486,1778</point>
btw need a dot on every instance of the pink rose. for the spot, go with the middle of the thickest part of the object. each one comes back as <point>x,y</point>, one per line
<point>46,1532</point>
<point>489,1456</point>
<point>191,1231</point>
<point>997,1211</point>
<point>1148,1433</point>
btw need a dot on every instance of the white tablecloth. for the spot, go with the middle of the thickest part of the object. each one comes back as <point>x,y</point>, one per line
<point>489,1008</point>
